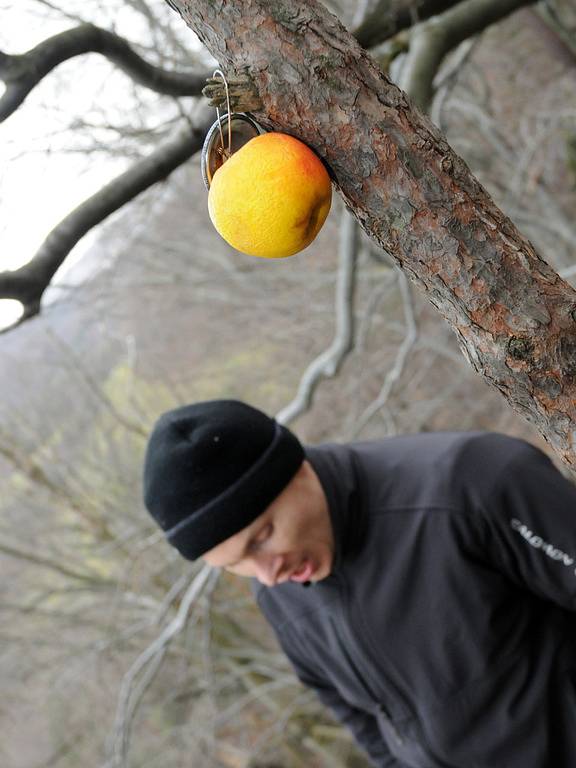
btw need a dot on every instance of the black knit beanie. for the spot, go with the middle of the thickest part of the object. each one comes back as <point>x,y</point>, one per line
<point>212,468</point>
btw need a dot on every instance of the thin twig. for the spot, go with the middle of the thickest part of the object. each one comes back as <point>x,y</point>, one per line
<point>146,666</point>
<point>327,364</point>
<point>394,374</point>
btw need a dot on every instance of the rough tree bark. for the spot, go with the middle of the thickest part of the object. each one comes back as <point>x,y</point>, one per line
<point>513,315</point>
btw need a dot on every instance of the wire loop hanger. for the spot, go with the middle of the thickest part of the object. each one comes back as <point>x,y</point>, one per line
<point>226,153</point>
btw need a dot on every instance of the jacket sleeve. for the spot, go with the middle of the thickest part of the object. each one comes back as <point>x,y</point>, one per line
<point>530,524</point>
<point>361,724</point>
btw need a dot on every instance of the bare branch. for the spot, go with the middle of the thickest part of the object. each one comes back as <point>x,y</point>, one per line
<point>29,283</point>
<point>62,13</point>
<point>393,376</point>
<point>21,73</point>
<point>328,363</point>
<point>559,41</point>
<point>430,42</point>
<point>97,392</point>
<point>449,79</point>
<point>147,664</point>
<point>392,16</point>
<point>95,581</point>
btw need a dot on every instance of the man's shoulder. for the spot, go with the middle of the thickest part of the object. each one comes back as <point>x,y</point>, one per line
<point>428,444</point>
<point>442,450</point>
<point>438,442</point>
<point>434,468</point>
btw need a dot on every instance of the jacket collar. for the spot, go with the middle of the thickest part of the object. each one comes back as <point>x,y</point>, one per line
<point>334,464</point>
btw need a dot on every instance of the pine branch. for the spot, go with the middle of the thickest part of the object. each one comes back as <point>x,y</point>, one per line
<point>28,283</point>
<point>21,73</point>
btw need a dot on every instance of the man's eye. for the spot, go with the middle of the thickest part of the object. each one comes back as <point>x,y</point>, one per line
<point>262,536</point>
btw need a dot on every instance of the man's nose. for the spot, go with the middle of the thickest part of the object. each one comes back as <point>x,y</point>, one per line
<point>268,569</point>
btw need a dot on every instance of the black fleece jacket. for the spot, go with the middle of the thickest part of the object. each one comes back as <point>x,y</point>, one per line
<point>445,636</point>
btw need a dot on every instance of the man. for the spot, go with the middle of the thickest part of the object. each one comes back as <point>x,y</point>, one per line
<point>423,585</point>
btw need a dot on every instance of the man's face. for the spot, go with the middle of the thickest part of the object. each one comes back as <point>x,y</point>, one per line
<point>291,540</point>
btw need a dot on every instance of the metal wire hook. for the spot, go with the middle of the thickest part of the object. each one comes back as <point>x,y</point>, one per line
<point>226,152</point>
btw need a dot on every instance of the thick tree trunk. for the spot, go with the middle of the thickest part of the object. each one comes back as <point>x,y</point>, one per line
<point>513,315</point>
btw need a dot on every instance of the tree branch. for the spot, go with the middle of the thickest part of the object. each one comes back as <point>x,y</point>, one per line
<point>28,283</point>
<point>448,80</point>
<point>394,374</point>
<point>430,42</point>
<point>21,73</point>
<point>327,364</point>
<point>513,315</point>
<point>143,670</point>
<point>95,580</point>
<point>392,16</point>
<point>558,40</point>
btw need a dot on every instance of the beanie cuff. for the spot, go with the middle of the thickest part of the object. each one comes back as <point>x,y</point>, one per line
<point>243,501</point>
